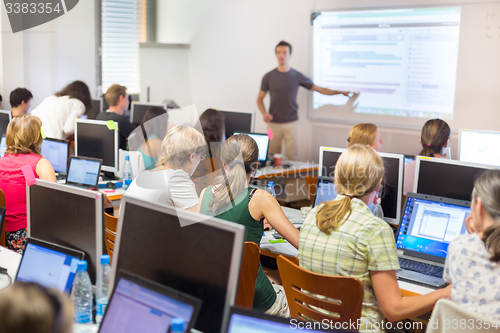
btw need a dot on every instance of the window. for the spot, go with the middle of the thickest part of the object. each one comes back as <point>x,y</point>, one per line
<point>123,27</point>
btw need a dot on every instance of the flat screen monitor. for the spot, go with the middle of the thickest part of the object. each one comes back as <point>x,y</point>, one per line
<point>262,141</point>
<point>56,152</point>
<point>481,147</point>
<point>446,178</point>
<point>93,138</point>
<point>3,145</point>
<point>237,122</point>
<point>201,259</point>
<point>392,189</point>
<point>49,264</point>
<point>67,216</point>
<point>139,110</point>
<point>5,118</point>
<point>96,108</point>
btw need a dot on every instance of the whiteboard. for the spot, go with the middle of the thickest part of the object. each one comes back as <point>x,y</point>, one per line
<point>477,94</point>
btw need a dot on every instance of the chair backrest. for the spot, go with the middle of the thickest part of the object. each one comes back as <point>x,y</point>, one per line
<point>2,204</point>
<point>248,275</point>
<point>110,233</point>
<point>312,183</point>
<point>447,317</point>
<point>339,298</point>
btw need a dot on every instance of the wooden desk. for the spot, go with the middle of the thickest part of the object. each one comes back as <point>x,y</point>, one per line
<point>289,183</point>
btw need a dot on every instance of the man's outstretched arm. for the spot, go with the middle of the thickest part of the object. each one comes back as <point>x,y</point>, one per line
<point>327,91</point>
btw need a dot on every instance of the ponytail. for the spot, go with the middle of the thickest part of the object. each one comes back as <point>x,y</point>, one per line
<point>426,150</point>
<point>330,215</point>
<point>434,136</point>
<point>228,187</point>
<point>491,239</point>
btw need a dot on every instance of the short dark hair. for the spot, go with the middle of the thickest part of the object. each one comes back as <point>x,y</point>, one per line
<point>283,43</point>
<point>18,96</point>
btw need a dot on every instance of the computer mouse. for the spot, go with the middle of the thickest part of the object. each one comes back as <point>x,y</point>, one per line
<point>110,185</point>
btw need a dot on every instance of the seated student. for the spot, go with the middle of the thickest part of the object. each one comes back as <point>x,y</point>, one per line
<point>473,261</point>
<point>212,126</point>
<point>231,199</point>
<point>342,237</point>
<point>30,307</point>
<point>23,141</point>
<point>368,134</point>
<point>20,100</point>
<point>59,112</point>
<point>169,183</point>
<point>365,134</point>
<point>148,143</point>
<point>117,98</point>
<point>435,140</point>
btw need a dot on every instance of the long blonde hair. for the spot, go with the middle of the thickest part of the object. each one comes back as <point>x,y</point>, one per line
<point>240,154</point>
<point>29,307</point>
<point>178,145</point>
<point>363,134</point>
<point>24,135</point>
<point>359,171</point>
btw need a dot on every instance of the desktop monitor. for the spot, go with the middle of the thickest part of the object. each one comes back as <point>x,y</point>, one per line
<point>5,118</point>
<point>446,178</point>
<point>96,108</point>
<point>479,147</point>
<point>67,216</point>
<point>241,122</point>
<point>201,259</point>
<point>93,138</point>
<point>139,110</point>
<point>3,145</point>
<point>262,141</point>
<point>56,152</point>
<point>392,189</point>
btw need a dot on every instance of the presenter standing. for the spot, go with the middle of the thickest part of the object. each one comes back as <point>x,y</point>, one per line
<point>283,83</point>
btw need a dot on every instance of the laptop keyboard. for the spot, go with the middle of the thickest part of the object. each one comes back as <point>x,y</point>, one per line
<point>419,267</point>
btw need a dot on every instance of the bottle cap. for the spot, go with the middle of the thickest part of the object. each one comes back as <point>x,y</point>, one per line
<point>270,184</point>
<point>127,157</point>
<point>82,265</point>
<point>105,259</point>
<point>177,325</point>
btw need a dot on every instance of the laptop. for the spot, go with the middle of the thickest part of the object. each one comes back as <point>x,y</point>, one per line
<point>84,172</point>
<point>141,305</point>
<point>325,190</point>
<point>247,321</point>
<point>427,227</point>
<point>56,152</point>
<point>49,264</point>
<point>3,145</point>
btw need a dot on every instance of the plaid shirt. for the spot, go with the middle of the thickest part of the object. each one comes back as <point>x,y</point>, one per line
<point>360,244</point>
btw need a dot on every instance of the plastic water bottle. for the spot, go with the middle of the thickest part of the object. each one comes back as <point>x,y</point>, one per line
<point>177,325</point>
<point>127,173</point>
<point>102,288</point>
<point>270,189</point>
<point>81,297</point>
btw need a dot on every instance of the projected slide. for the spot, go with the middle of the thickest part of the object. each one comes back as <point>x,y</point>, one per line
<point>402,61</point>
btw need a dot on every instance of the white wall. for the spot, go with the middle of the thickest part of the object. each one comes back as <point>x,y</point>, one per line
<point>46,58</point>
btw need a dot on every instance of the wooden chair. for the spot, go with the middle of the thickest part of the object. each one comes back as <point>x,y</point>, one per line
<point>311,183</point>
<point>2,204</point>
<point>248,275</point>
<point>344,295</point>
<point>110,233</point>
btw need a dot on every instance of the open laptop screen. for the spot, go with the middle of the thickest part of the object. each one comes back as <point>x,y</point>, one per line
<point>136,308</point>
<point>262,141</point>
<point>56,152</point>
<point>428,226</point>
<point>325,190</point>
<point>48,266</point>
<point>84,171</point>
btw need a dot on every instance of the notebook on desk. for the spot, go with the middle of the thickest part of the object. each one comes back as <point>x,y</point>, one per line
<point>428,225</point>
<point>141,305</point>
<point>84,172</point>
<point>49,264</point>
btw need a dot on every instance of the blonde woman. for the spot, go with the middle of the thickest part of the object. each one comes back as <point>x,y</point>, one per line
<point>231,199</point>
<point>342,237</point>
<point>365,134</point>
<point>23,143</point>
<point>29,307</point>
<point>473,261</point>
<point>182,149</point>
